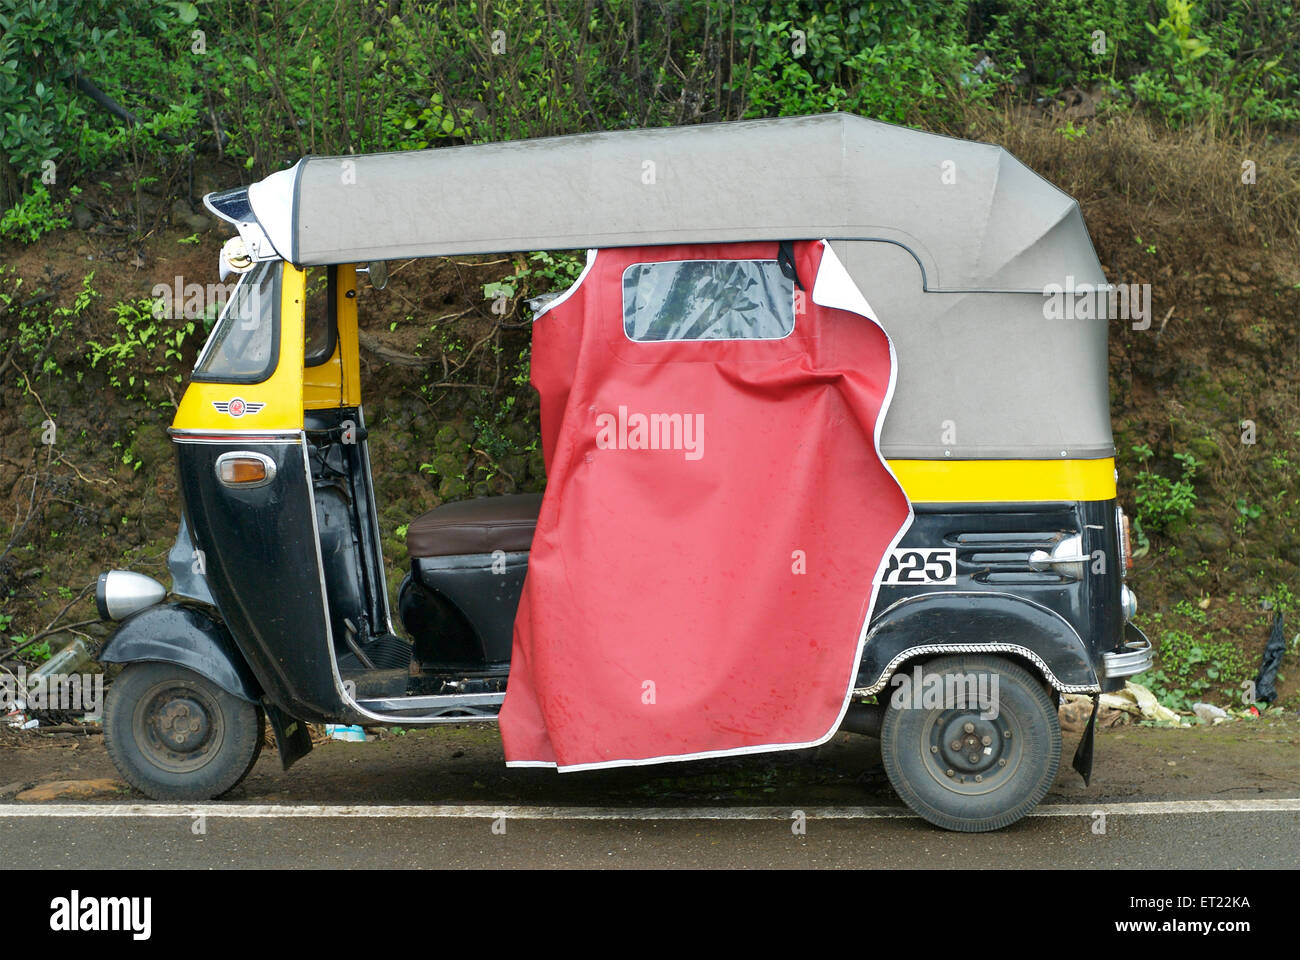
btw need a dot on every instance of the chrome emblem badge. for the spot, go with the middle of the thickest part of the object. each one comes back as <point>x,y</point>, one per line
<point>237,407</point>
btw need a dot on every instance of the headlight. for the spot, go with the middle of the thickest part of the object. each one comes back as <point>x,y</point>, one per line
<point>1067,558</point>
<point>121,593</point>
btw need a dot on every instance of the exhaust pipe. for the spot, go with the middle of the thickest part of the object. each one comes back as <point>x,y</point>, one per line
<point>864,718</point>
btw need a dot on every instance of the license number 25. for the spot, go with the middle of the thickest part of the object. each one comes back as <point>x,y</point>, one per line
<point>907,566</point>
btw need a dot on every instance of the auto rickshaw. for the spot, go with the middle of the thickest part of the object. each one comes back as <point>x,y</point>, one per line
<point>818,459</point>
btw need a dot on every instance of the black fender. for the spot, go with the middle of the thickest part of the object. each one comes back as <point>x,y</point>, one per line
<point>188,636</point>
<point>976,622</point>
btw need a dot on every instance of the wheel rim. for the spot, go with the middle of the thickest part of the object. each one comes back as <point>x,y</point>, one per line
<point>178,726</point>
<point>969,754</point>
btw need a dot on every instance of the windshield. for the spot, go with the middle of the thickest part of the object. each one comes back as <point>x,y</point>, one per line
<point>244,344</point>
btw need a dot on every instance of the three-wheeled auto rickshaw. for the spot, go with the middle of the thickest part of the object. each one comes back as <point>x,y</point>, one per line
<point>818,455</point>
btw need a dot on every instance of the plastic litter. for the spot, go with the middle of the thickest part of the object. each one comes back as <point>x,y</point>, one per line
<point>1266,681</point>
<point>1209,713</point>
<point>17,714</point>
<point>65,661</point>
<point>1141,702</point>
<point>350,734</point>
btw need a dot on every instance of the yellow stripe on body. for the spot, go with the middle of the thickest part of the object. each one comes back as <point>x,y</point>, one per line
<point>1005,481</point>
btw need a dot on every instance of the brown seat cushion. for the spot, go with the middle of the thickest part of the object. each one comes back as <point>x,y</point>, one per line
<point>475,526</point>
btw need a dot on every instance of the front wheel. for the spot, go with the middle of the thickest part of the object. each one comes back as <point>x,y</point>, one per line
<point>175,735</point>
<point>970,743</point>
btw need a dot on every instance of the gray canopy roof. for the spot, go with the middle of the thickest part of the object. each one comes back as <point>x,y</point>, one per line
<point>973,217</point>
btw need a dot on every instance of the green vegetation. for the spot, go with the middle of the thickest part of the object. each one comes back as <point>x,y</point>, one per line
<point>1160,500</point>
<point>383,76</point>
<point>142,346</point>
<point>1196,661</point>
<point>34,215</point>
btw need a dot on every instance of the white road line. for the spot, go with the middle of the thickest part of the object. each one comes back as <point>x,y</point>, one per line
<point>454,811</point>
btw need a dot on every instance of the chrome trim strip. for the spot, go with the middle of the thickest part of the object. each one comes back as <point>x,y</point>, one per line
<point>976,648</point>
<point>442,702</point>
<point>234,436</point>
<point>374,522</point>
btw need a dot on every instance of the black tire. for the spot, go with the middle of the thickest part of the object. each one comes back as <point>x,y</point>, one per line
<point>1005,765</point>
<point>175,735</point>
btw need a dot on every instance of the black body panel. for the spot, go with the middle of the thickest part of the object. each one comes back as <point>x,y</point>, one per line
<point>260,557</point>
<point>350,550</point>
<point>461,610</point>
<point>951,620</point>
<point>1066,619</point>
<point>188,636</point>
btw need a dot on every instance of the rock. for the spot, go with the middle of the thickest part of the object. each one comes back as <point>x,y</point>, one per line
<point>180,211</point>
<point>72,790</point>
<point>1211,538</point>
<point>82,218</point>
<point>446,465</point>
<point>445,437</point>
<point>197,223</point>
<point>1111,717</point>
<point>452,488</point>
<point>1076,708</point>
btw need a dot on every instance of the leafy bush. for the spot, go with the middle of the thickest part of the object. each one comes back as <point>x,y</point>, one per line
<point>1159,500</point>
<point>268,83</point>
<point>142,347</point>
<point>35,215</point>
<point>885,60</point>
<point>1060,43</point>
<point>1242,68</point>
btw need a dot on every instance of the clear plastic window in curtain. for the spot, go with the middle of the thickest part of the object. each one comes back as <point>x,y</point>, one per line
<point>707,300</point>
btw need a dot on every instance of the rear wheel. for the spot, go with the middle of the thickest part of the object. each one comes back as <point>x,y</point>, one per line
<point>175,735</point>
<point>971,766</point>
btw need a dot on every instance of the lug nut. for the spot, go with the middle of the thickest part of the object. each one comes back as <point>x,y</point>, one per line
<point>987,741</point>
<point>978,778</point>
<point>956,744</point>
<point>974,758</point>
<point>1002,762</point>
<point>969,727</point>
<point>949,772</point>
<point>934,749</point>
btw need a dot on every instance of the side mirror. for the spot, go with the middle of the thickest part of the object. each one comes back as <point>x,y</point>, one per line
<point>378,273</point>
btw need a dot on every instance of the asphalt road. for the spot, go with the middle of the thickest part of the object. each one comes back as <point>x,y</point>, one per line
<point>1212,798</point>
<point>1165,838</point>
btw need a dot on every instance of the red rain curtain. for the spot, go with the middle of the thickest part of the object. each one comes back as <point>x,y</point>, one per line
<point>716,511</point>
